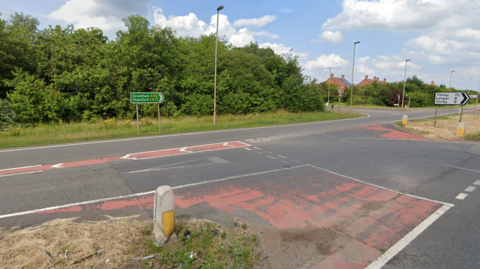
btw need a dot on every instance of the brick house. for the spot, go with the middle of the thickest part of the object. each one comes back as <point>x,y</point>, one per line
<point>370,80</point>
<point>341,83</point>
<point>432,84</point>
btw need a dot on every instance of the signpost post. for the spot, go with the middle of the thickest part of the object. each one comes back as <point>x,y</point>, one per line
<point>476,101</point>
<point>147,98</point>
<point>451,98</point>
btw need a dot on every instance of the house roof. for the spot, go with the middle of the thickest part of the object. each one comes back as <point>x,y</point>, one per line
<point>341,82</point>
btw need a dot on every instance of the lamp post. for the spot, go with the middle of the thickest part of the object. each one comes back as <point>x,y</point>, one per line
<point>404,81</point>
<point>330,76</point>
<point>469,85</point>
<point>353,70</point>
<point>215,79</point>
<point>450,87</point>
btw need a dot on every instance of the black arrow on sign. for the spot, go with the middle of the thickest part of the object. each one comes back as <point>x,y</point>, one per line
<point>466,98</point>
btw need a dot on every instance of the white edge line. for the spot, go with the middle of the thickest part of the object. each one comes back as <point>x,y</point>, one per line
<point>189,152</point>
<point>181,148</point>
<point>140,194</point>
<point>407,239</point>
<point>8,169</point>
<point>17,174</point>
<point>380,187</point>
<point>174,135</point>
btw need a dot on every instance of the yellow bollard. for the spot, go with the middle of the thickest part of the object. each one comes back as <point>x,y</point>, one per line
<point>404,119</point>
<point>461,129</point>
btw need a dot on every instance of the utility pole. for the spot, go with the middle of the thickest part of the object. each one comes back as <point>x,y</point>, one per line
<point>353,70</point>
<point>215,79</point>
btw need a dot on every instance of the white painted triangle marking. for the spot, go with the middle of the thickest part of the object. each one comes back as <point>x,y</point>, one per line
<point>57,165</point>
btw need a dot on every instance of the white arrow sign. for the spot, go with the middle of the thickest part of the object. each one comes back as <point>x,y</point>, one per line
<point>451,98</point>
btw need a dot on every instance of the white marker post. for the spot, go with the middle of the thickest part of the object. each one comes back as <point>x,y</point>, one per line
<point>405,119</point>
<point>164,216</point>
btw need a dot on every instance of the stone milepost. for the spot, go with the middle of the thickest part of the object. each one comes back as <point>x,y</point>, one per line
<point>146,97</point>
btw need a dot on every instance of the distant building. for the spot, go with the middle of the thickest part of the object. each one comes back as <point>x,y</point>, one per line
<point>370,80</point>
<point>432,84</point>
<point>341,83</point>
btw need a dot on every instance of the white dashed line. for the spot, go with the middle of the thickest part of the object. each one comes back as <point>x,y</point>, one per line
<point>248,148</point>
<point>477,183</point>
<point>260,153</point>
<point>281,156</point>
<point>294,161</point>
<point>285,162</point>
<point>461,196</point>
<point>257,148</point>
<point>271,157</point>
<point>470,189</point>
<point>269,152</point>
<point>249,139</point>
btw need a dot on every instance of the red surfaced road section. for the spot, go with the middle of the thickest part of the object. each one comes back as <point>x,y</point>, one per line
<point>369,220</point>
<point>393,134</point>
<point>133,156</point>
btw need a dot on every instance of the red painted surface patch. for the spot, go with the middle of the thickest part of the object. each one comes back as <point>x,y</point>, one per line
<point>135,156</point>
<point>372,219</point>
<point>393,134</point>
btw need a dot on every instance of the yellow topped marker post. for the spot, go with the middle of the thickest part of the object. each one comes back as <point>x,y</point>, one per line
<point>164,216</point>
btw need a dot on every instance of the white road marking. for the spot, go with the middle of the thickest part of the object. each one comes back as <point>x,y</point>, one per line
<point>260,153</point>
<point>281,156</point>
<point>407,239</point>
<point>143,193</point>
<point>470,188</point>
<point>248,148</point>
<point>212,160</point>
<point>453,166</point>
<point>24,173</point>
<point>249,139</point>
<point>271,157</point>
<point>257,148</point>
<point>285,162</point>
<point>184,150</point>
<point>477,183</point>
<point>225,144</point>
<point>380,187</point>
<point>295,161</point>
<point>181,134</point>
<point>269,152</point>
<point>461,196</point>
<point>8,169</point>
<point>59,165</point>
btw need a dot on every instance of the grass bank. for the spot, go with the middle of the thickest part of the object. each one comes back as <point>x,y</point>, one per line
<point>446,127</point>
<point>57,133</point>
<point>127,243</point>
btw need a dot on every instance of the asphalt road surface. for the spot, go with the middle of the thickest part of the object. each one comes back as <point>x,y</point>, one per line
<point>387,198</point>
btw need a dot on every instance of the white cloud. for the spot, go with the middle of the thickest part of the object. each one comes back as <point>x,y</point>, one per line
<point>104,14</point>
<point>449,30</point>
<point>286,10</point>
<point>242,38</point>
<point>327,61</point>
<point>281,48</point>
<point>254,22</point>
<point>334,37</point>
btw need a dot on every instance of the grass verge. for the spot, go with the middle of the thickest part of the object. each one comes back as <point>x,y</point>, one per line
<point>113,128</point>
<point>119,241</point>
<point>446,127</point>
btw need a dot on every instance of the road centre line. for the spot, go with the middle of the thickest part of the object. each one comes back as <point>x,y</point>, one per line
<point>142,193</point>
<point>470,188</point>
<point>407,239</point>
<point>271,157</point>
<point>24,173</point>
<point>281,156</point>
<point>175,135</point>
<point>477,183</point>
<point>381,187</point>
<point>257,148</point>
<point>461,196</point>
<point>456,167</point>
<point>248,149</point>
<point>8,169</point>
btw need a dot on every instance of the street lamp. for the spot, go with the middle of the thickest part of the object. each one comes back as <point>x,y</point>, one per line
<point>404,81</point>
<point>330,76</point>
<point>215,79</point>
<point>450,87</point>
<point>469,85</point>
<point>353,69</point>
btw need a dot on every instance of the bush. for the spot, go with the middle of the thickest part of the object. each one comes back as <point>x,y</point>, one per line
<point>7,116</point>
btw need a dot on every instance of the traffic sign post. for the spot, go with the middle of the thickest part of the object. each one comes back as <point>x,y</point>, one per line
<point>339,97</point>
<point>451,98</point>
<point>147,98</point>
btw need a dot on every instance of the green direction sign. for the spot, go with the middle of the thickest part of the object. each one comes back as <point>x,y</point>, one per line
<point>146,97</point>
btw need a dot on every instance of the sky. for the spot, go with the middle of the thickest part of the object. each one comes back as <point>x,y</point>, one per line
<point>438,36</point>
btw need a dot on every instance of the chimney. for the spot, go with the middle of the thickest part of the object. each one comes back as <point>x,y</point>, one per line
<point>331,75</point>
<point>374,78</point>
<point>433,82</point>
<point>366,76</point>
<point>343,76</point>
<point>385,80</point>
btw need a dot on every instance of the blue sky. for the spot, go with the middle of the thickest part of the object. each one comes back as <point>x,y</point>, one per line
<point>437,35</point>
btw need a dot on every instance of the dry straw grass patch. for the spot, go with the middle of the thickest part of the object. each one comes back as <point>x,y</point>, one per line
<point>446,127</point>
<point>26,248</point>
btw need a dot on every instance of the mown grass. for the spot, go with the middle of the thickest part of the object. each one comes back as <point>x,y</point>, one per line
<point>56,133</point>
